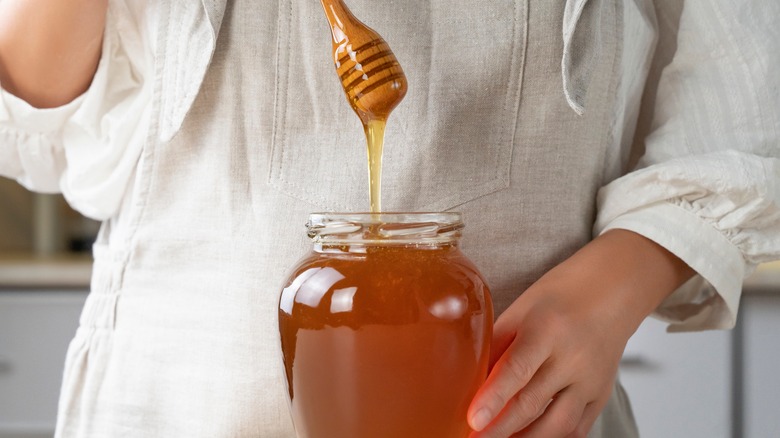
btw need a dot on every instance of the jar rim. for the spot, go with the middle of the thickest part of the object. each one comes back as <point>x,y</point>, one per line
<point>385,228</point>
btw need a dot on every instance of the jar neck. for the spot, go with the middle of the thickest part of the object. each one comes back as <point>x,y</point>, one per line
<point>357,231</point>
<point>329,248</point>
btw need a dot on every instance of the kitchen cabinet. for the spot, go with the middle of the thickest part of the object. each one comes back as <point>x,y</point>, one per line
<point>723,383</point>
<point>760,327</point>
<point>35,329</point>
<point>679,383</point>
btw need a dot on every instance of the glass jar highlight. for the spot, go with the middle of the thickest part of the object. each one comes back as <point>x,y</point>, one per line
<point>385,328</point>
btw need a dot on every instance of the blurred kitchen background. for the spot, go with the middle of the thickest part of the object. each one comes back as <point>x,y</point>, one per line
<point>718,384</point>
<point>45,267</point>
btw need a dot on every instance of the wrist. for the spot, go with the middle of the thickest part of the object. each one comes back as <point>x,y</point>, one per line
<point>621,276</point>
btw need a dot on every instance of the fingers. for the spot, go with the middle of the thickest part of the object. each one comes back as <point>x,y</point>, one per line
<point>502,339</point>
<point>512,372</point>
<point>505,330</point>
<point>568,416</point>
<point>589,416</point>
<point>526,406</point>
<point>562,418</point>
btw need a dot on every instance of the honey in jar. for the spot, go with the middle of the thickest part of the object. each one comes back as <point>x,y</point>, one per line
<point>385,328</point>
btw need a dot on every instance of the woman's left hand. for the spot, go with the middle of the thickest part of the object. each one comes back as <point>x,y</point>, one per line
<point>556,349</point>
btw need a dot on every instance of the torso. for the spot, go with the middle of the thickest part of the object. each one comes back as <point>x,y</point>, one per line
<point>485,129</point>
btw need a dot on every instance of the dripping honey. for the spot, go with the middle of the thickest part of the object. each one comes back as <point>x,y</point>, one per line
<point>373,81</point>
<point>375,138</point>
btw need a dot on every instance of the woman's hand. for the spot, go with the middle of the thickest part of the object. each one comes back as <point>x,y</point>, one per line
<point>556,349</point>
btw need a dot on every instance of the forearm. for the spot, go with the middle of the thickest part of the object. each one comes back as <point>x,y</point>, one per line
<point>49,49</point>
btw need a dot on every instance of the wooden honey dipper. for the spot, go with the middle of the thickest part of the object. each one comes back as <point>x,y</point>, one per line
<point>373,80</point>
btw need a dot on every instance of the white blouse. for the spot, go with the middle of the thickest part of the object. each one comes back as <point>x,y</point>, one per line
<point>707,187</point>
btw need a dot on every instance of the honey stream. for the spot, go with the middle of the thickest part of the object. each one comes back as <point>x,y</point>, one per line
<point>375,140</point>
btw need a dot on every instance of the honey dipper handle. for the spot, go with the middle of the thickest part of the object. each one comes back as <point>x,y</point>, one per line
<point>370,74</point>
<point>344,25</point>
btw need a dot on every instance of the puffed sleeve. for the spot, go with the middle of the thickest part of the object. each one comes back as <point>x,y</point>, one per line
<point>88,148</point>
<point>708,185</point>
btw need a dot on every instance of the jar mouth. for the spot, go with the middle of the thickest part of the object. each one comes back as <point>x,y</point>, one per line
<point>385,228</point>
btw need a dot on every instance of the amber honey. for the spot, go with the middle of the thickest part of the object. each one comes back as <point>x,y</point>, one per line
<point>387,341</point>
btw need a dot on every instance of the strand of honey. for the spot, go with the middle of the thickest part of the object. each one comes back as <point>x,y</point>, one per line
<point>375,139</point>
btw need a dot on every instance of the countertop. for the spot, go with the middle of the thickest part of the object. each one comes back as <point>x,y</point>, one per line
<point>766,279</point>
<point>74,271</point>
<point>50,272</point>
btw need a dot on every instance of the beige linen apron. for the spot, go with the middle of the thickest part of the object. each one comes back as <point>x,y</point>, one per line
<point>179,336</point>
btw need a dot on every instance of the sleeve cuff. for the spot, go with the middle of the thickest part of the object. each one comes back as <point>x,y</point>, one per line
<point>707,302</point>
<point>26,117</point>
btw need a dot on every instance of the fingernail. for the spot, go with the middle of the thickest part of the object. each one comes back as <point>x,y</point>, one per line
<point>481,419</point>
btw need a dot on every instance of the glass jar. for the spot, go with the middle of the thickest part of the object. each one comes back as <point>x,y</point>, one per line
<point>385,328</point>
